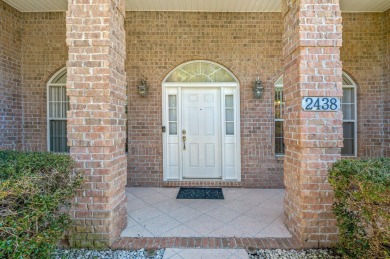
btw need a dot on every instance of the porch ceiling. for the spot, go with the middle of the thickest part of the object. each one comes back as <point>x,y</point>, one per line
<point>200,5</point>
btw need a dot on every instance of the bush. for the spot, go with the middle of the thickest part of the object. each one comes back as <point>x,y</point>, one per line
<point>35,192</point>
<point>362,208</point>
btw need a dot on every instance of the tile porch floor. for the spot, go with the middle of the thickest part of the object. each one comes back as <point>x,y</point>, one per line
<point>255,213</point>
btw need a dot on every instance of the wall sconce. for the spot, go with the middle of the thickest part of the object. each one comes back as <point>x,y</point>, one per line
<point>258,89</point>
<point>143,88</point>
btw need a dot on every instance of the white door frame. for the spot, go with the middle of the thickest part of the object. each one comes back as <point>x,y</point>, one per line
<point>230,145</point>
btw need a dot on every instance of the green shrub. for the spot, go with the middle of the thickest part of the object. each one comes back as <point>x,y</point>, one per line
<point>35,192</point>
<point>362,208</point>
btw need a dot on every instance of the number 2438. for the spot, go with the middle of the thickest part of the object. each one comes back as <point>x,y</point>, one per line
<point>321,103</point>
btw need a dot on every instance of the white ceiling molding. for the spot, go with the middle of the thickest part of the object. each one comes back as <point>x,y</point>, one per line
<point>205,5</point>
<point>199,5</point>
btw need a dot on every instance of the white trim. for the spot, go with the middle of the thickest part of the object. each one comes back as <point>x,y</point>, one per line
<point>201,85</point>
<point>349,78</point>
<point>58,84</point>
<point>176,87</point>
<point>62,71</point>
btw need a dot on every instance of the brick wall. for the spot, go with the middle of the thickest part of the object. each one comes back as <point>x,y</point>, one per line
<point>10,76</point>
<point>245,43</point>
<point>159,41</point>
<point>44,52</point>
<point>311,47</point>
<point>178,37</point>
<point>96,86</point>
<point>387,85</point>
<point>363,55</point>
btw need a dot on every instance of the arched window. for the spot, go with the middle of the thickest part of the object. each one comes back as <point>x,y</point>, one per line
<point>199,72</point>
<point>348,106</point>
<point>57,106</point>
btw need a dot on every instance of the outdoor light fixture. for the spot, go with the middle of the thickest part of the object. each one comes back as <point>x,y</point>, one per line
<point>258,89</point>
<point>143,88</point>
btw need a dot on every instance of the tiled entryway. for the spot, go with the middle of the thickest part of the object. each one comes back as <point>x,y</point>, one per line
<point>254,213</point>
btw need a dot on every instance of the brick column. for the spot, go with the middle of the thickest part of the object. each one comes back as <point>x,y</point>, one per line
<point>312,38</point>
<point>96,121</point>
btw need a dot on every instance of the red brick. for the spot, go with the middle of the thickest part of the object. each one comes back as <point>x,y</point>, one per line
<point>107,149</point>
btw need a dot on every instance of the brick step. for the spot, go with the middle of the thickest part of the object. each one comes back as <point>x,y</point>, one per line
<point>134,243</point>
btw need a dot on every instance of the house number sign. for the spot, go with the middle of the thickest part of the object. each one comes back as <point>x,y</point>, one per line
<point>325,104</point>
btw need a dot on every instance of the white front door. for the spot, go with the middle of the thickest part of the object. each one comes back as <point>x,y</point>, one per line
<point>201,128</point>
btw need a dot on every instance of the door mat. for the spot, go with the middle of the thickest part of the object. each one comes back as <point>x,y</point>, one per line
<point>200,193</point>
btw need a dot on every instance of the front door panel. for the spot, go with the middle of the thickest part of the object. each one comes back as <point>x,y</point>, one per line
<point>201,148</point>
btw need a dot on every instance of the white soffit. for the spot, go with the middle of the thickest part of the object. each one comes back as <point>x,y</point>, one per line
<point>200,5</point>
<point>38,5</point>
<point>206,5</point>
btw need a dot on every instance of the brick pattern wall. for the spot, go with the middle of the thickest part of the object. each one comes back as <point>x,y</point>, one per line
<point>152,51</point>
<point>363,55</point>
<point>387,85</point>
<point>44,52</point>
<point>96,87</point>
<point>245,43</point>
<point>10,76</point>
<point>312,37</point>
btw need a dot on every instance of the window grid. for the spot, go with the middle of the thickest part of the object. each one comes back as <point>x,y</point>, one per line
<point>58,105</point>
<point>348,107</point>
<point>172,111</point>
<point>279,105</point>
<point>200,71</point>
<point>58,102</point>
<point>229,114</point>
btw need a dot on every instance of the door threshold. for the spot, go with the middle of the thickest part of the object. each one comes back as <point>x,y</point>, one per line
<point>202,179</point>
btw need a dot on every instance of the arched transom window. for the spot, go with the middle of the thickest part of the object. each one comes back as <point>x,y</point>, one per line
<point>199,72</point>
<point>348,106</point>
<point>57,106</point>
